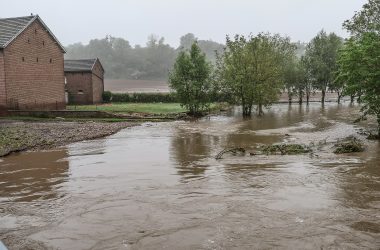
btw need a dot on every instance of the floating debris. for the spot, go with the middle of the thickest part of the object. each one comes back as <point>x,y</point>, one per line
<point>285,149</point>
<point>230,150</point>
<point>349,145</point>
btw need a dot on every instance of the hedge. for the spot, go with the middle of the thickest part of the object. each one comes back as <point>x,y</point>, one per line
<point>152,97</point>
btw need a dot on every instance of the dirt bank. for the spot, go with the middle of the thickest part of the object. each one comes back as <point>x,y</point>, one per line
<point>19,136</point>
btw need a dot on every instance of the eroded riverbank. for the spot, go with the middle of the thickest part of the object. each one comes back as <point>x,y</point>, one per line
<point>159,186</point>
<point>18,136</point>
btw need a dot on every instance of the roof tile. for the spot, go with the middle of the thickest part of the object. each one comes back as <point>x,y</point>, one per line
<point>11,27</point>
<point>79,65</point>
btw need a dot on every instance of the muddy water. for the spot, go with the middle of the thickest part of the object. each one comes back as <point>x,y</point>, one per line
<point>158,186</point>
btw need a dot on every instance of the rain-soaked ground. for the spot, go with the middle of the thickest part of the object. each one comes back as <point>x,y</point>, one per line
<point>158,186</point>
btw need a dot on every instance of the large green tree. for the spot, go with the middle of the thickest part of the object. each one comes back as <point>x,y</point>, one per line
<point>251,70</point>
<point>190,78</point>
<point>367,20</point>
<point>321,55</point>
<point>359,60</point>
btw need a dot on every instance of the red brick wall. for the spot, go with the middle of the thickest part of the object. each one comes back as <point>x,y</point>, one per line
<point>32,84</point>
<point>2,83</point>
<point>97,83</point>
<point>98,88</point>
<point>76,82</point>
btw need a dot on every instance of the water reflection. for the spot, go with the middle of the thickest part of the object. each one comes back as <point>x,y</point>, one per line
<point>188,148</point>
<point>32,176</point>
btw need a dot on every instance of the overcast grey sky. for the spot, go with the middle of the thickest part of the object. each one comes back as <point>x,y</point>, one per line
<point>81,20</point>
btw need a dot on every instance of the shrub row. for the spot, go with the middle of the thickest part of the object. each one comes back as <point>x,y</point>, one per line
<point>152,97</point>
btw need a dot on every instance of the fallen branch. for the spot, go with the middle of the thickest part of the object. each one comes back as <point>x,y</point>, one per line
<point>230,150</point>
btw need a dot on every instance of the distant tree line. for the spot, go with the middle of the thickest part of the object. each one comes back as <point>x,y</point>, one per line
<point>123,61</point>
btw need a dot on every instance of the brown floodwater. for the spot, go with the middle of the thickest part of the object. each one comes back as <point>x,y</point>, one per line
<point>158,186</point>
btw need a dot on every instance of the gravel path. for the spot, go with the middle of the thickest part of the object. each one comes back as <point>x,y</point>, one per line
<point>19,136</point>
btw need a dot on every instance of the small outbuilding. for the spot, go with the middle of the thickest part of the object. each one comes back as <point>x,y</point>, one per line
<point>84,80</point>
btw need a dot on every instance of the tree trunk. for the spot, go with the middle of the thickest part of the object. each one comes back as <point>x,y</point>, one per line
<point>300,96</point>
<point>339,97</point>
<point>307,98</point>
<point>359,98</point>
<point>261,112</point>
<point>352,99</point>
<point>290,97</point>
<point>247,110</point>
<point>323,96</point>
<point>378,126</point>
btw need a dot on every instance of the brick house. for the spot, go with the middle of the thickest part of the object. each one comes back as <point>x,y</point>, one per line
<point>84,81</point>
<point>31,65</point>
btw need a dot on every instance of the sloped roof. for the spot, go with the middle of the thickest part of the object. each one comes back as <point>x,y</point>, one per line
<point>81,65</point>
<point>10,28</point>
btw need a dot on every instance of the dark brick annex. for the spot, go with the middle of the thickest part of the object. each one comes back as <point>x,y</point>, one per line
<point>84,81</point>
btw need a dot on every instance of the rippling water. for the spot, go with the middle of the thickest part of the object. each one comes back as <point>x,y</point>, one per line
<point>158,186</point>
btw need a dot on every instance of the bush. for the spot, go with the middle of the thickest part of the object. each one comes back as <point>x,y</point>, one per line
<point>144,97</point>
<point>153,97</point>
<point>107,96</point>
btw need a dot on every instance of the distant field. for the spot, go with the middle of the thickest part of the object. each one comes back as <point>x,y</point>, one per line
<point>136,86</point>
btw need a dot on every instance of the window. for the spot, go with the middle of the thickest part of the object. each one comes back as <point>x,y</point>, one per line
<point>80,92</point>
<point>43,43</point>
<point>37,59</point>
<point>23,59</point>
<point>28,40</point>
<point>51,60</point>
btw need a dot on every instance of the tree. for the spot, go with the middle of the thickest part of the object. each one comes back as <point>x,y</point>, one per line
<point>365,21</point>
<point>122,61</point>
<point>207,46</point>
<point>359,60</point>
<point>190,78</point>
<point>251,70</point>
<point>321,55</point>
<point>294,78</point>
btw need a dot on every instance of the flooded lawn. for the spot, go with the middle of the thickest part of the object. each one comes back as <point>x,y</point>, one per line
<point>159,186</point>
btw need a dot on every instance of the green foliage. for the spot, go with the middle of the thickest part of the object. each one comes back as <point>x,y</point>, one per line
<point>107,95</point>
<point>359,68</point>
<point>359,60</point>
<point>190,78</point>
<point>251,70</point>
<point>295,78</point>
<point>365,21</point>
<point>321,56</point>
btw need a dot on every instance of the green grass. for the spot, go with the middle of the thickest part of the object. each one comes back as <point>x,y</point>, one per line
<point>154,108</point>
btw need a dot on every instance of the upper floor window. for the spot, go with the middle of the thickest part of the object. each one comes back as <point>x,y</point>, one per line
<point>43,43</point>
<point>51,60</point>
<point>37,59</point>
<point>23,59</point>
